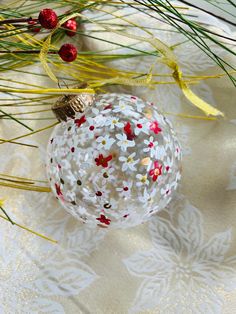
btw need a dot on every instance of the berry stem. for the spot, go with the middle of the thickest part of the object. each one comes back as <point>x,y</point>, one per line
<point>20,20</point>
<point>26,51</point>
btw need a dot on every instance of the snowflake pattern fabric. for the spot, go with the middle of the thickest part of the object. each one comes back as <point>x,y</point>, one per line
<point>183,271</point>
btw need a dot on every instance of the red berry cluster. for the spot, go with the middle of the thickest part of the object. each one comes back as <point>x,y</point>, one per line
<point>48,19</point>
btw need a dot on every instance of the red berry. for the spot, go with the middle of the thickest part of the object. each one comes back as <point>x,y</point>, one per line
<point>68,52</point>
<point>32,27</point>
<point>48,18</point>
<point>71,25</point>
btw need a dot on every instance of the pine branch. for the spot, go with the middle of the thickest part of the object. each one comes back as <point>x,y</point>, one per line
<point>208,12</point>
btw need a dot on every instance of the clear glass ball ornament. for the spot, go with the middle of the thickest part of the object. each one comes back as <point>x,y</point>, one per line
<point>115,164</point>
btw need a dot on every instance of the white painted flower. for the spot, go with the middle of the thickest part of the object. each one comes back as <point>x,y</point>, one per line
<point>65,151</point>
<point>105,142</point>
<point>147,196</point>
<point>151,147</point>
<point>101,192</point>
<point>160,152</point>
<point>91,128</point>
<point>161,119</point>
<point>99,119</point>
<point>166,191</point>
<point>176,181</point>
<point>89,197</point>
<point>142,180</point>
<point>65,164</point>
<point>182,273</point>
<point>168,163</point>
<point>178,153</point>
<point>123,142</point>
<point>113,122</point>
<point>114,203</point>
<point>129,162</point>
<point>141,126</point>
<point>71,178</point>
<point>69,196</point>
<point>108,175</point>
<point>139,105</point>
<point>126,109</point>
<point>168,142</point>
<point>125,189</point>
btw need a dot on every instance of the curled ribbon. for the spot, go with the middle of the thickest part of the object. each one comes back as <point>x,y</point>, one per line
<point>170,60</point>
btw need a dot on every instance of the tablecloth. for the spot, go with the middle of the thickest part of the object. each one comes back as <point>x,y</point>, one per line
<point>182,261</point>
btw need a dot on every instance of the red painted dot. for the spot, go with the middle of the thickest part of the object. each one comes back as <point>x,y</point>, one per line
<point>150,144</point>
<point>139,125</point>
<point>109,106</point>
<point>167,168</point>
<point>72,149</point>
<point>59,166</point>
<point>126,188</point>
<point>99,193</point>
<point>91,128</point>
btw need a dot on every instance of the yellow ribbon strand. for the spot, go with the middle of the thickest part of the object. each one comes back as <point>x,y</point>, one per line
<point>49,91</point>
<point>170,60</point>
<point>187,116</point>
<point>197,101</point>
<point>124,81</point>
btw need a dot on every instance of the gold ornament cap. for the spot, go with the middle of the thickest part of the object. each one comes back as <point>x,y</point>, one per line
<point>68,105</point>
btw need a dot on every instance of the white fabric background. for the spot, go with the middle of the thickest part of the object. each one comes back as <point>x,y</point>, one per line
<point>183,261</point>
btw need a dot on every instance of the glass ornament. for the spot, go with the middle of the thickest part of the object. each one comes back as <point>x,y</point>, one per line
<point>115,164</point>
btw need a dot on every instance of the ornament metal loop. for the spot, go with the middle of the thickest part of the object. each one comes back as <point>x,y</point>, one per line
<point>68,105</point>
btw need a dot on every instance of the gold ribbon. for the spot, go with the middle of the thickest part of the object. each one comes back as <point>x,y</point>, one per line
<point>170,60</point>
